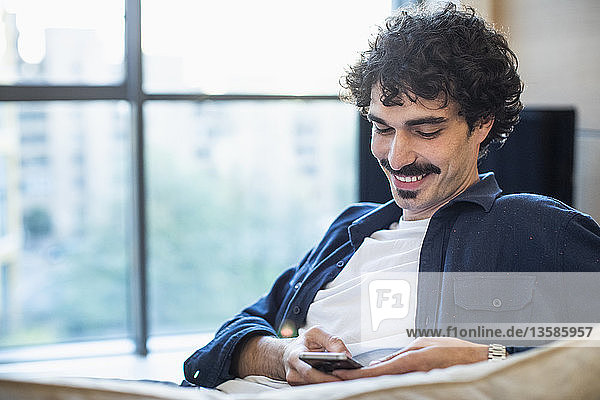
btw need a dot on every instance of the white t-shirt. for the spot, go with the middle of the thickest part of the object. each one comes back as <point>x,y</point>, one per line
<point>372,301</point>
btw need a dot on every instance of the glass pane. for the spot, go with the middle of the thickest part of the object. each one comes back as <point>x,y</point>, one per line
<point>61,42</point>
<point>260,46</point>
<point>238,191</point>
<point>64,198</point>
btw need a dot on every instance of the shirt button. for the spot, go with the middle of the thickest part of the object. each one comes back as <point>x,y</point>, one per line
<point>497,303</point>
<point>340,264</point>
<point>297,286</point>
<point>296,310</point>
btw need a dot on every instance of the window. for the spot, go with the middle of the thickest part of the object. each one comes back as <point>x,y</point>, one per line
<point>68,268</point>
<point>154,169</point>
<point>253,47</point>
<point>62,42</point>
<point>248,174</point>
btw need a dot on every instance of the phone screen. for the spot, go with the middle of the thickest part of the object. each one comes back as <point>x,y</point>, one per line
<point>327,362</point>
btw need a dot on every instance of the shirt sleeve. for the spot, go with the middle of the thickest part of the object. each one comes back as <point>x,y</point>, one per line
<point>211,365</point>
<point>579,251</point>
<point>580,247</point>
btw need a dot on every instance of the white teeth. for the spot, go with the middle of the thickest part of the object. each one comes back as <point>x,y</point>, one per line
<point>409,178</point>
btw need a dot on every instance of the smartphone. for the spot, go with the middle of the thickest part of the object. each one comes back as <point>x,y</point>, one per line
<point>327,362</point>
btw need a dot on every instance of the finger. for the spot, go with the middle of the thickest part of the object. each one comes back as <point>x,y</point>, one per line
<point>417,344</point>
<point>313,375</point>
<point>313,346</point>
<point>397,353</point>
<point>336,344</point>
<point>366,372</point>
<point>297,379</point>
<point>316,336</point>
<point>307,374</point>
<point>388,357</point>
<point>401,364</point>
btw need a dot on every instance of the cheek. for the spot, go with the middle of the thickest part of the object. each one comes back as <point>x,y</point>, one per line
<point>379,148</point>
<point>457,160</point>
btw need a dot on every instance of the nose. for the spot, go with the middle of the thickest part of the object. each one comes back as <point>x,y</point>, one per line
<point>401,151</point>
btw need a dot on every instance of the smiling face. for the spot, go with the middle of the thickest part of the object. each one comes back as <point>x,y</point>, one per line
<point>427,152</point>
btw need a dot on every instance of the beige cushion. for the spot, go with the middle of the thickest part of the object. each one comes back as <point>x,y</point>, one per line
<point>567,370</point>
<point>559,372</point>
<point>46,388</point>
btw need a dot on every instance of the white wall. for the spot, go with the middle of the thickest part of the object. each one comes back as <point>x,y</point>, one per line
<point>557,43</point>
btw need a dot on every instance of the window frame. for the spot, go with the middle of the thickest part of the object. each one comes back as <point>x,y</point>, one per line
<point>131,90</point>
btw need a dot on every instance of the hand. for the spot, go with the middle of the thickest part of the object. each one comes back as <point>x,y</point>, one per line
<point>297,372</point>
<point>422,354</point>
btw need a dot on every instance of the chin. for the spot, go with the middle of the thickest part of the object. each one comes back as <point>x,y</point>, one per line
<point>404,203</point>
<point>406,194</point>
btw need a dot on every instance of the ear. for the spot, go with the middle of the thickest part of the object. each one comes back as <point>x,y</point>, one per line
<point>482,128</point>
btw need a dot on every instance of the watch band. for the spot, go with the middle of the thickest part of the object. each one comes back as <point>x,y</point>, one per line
<point>496,352</point>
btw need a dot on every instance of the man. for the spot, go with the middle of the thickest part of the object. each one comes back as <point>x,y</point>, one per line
<point>438,88</point>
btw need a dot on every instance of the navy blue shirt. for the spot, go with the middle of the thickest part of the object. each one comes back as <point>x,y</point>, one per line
<point>478,231</point>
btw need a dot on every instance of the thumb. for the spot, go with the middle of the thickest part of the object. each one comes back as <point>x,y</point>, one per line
<point>329,342</point>
<point>386,358</point>
<point>337,345</point>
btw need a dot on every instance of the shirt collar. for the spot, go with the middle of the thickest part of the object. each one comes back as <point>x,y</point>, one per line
<point>482,193</point>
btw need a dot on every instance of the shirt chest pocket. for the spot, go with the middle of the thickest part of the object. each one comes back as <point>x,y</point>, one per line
<point>493,298</point>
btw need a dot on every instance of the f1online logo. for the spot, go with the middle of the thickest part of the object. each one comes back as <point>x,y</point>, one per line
<point>388,299</point>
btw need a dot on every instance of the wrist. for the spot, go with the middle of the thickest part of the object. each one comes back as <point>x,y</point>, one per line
<point>262,355</point>
<point>274,349</point>
<point>241,358</point>
<point>496,352</point>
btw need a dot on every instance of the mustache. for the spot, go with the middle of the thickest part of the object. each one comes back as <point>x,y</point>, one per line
<point>412,169</point>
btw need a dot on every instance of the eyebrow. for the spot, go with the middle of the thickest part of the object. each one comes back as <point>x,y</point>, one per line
<point>411,122</point>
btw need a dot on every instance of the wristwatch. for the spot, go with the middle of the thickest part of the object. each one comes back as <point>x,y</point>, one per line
<point>496,352</point>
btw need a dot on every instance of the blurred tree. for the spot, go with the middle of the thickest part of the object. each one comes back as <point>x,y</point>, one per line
<point>37,223</point>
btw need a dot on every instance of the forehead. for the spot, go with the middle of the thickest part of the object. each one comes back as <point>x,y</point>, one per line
<point>411,109</point>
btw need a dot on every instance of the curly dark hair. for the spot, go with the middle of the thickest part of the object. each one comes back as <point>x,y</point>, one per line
<point>450,53</point>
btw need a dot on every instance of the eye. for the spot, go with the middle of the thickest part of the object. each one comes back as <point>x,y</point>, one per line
<point>381,130</point>
<point>429,135</point>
